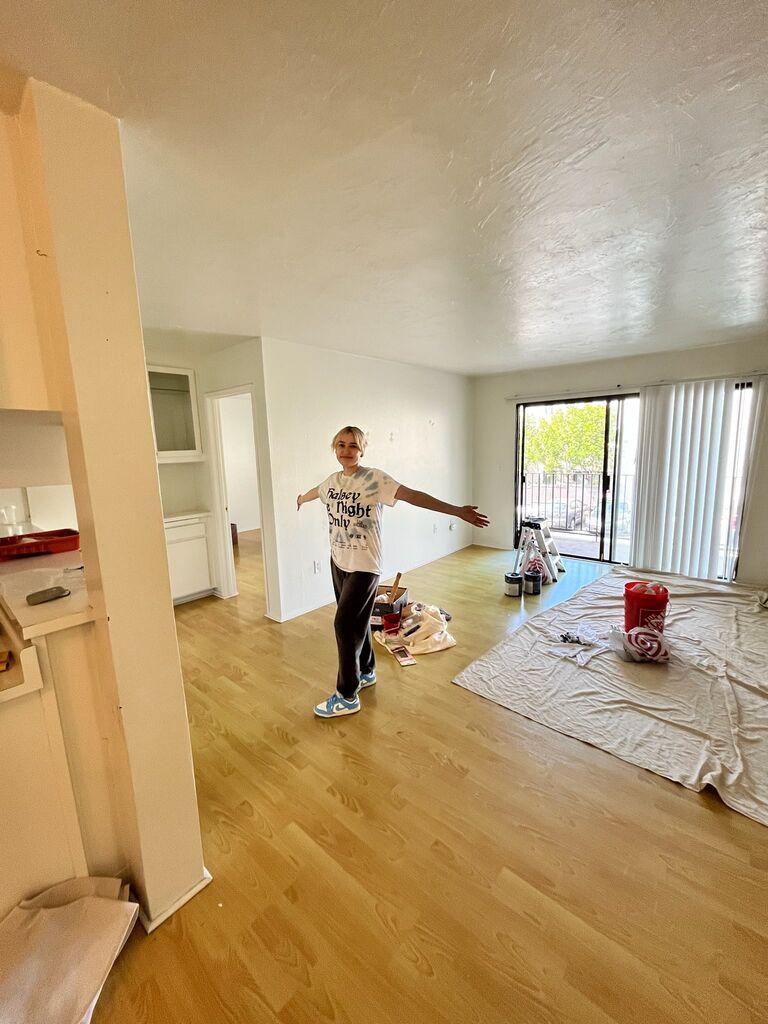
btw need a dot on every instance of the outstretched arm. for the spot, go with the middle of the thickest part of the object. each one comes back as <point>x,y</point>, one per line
<point>309,496</point>
<point>468,513</point>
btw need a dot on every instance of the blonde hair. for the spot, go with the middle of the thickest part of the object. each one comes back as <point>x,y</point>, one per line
<point>360,439</point>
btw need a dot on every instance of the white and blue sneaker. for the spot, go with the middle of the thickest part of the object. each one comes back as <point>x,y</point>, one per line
<point>336,705</point>
<point>367,679</point>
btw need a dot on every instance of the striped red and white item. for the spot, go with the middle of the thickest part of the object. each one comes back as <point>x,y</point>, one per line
<point>645,644</point>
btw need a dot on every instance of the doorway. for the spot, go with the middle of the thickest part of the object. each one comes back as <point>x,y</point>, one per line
<point>575,465</point>
<point>237,504</point>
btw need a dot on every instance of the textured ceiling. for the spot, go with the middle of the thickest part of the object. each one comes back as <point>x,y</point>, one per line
<point>478,185</point>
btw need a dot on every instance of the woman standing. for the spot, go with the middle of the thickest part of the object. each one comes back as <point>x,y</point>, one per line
<point>354,498</point>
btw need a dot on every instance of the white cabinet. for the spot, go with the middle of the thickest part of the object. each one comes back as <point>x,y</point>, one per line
<point>24,674</point>
<point>44,843</point>
<point>188,558</point>
<point>175,419</point>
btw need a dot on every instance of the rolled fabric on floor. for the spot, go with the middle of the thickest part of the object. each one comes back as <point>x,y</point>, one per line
<point>645,644</point>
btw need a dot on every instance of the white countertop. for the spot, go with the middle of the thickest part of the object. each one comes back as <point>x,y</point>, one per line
<point>22,576</point>
<point>178,516</point>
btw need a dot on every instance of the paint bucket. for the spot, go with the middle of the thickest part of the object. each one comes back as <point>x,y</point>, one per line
<point>513,584</point>
<point>532,582</point>
<point>645,604</point>
<point>391,622</point>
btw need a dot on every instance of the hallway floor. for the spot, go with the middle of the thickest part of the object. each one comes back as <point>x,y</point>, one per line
<point>435,859</point>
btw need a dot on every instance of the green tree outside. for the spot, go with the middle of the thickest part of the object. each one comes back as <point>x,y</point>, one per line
<point>569,439</point>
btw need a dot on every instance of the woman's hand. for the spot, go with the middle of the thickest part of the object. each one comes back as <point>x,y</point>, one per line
<point>302,499</point>
<point>470,515</point>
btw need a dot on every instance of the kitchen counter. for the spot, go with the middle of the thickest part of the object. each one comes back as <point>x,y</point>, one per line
<point>22,576</point>
<point>178,516</point>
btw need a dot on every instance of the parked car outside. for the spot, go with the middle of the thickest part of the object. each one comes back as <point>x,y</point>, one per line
<point>623,517</point>
<point>565,516</point>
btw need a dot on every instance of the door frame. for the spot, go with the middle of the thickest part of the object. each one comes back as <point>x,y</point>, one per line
<point>223,553</point>
<point>614,477</point>
<point>606,478</point>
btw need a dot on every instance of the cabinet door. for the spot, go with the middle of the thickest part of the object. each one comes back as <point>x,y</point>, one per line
<point>35,841</point>
<point>40,839</point>
<point>188,565</point>
<point>174,414</point>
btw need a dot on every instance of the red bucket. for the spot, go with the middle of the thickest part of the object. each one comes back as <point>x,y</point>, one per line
<point>645,604</point>
<point>391,622</point>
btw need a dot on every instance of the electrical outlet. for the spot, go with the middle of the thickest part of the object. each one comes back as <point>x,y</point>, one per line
<point>451,525</point>
<point>316,568</point>
<point>434,527</point>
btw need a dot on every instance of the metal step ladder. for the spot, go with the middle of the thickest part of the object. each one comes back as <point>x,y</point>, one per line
<point>536,529</point>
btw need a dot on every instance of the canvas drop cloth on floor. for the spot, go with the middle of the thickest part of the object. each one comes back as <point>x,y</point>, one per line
<point>700,719</point>
<point>57,949</point>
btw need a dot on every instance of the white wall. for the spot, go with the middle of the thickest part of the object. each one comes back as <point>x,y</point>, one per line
<point>494,420</point>
<point>419,425</point>
<point>33,449</point>
<point>420,431</point>
<point>52,508</point>
<point>183,487</point>
<point>239,448</point>
<point>48,508</point>
<point>16,498</point>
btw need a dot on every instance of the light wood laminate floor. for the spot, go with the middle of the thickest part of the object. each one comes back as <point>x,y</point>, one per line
<point>435,858</point>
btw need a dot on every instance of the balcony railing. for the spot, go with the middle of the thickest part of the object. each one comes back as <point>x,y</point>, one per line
<point>571,501</point>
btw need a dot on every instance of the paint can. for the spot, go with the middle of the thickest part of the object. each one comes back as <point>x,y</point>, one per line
<point>532,583</point>
<point>513,584</point>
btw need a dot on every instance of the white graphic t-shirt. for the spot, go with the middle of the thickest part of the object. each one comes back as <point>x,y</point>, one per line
<point>354,506</point>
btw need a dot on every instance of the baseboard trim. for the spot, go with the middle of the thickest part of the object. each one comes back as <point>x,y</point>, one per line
<point>150,925</point>
<point>296,613</point>
<point>193,597</point>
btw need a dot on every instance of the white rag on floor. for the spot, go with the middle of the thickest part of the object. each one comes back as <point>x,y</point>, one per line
<point>583,644</point>
<point>700,719</point>
<point>57,949</point>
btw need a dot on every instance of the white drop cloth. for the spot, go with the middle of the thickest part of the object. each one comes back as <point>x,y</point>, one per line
<point>57,949</point>
<point>701,718</point>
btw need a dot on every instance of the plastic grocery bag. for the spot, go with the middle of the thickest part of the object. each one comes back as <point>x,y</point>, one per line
<point>423,631</point>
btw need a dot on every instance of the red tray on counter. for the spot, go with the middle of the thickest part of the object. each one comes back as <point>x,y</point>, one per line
<point>48,542</point>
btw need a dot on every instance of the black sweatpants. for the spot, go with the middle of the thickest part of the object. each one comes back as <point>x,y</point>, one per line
<point>355,597</point>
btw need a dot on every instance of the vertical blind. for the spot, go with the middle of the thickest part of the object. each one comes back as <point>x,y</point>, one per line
<point>695,440</point>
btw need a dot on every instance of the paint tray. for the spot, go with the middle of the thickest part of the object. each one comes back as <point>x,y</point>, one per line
<point>47,542</point>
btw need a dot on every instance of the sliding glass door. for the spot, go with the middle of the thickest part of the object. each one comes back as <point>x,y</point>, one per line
<point>576,466</point>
